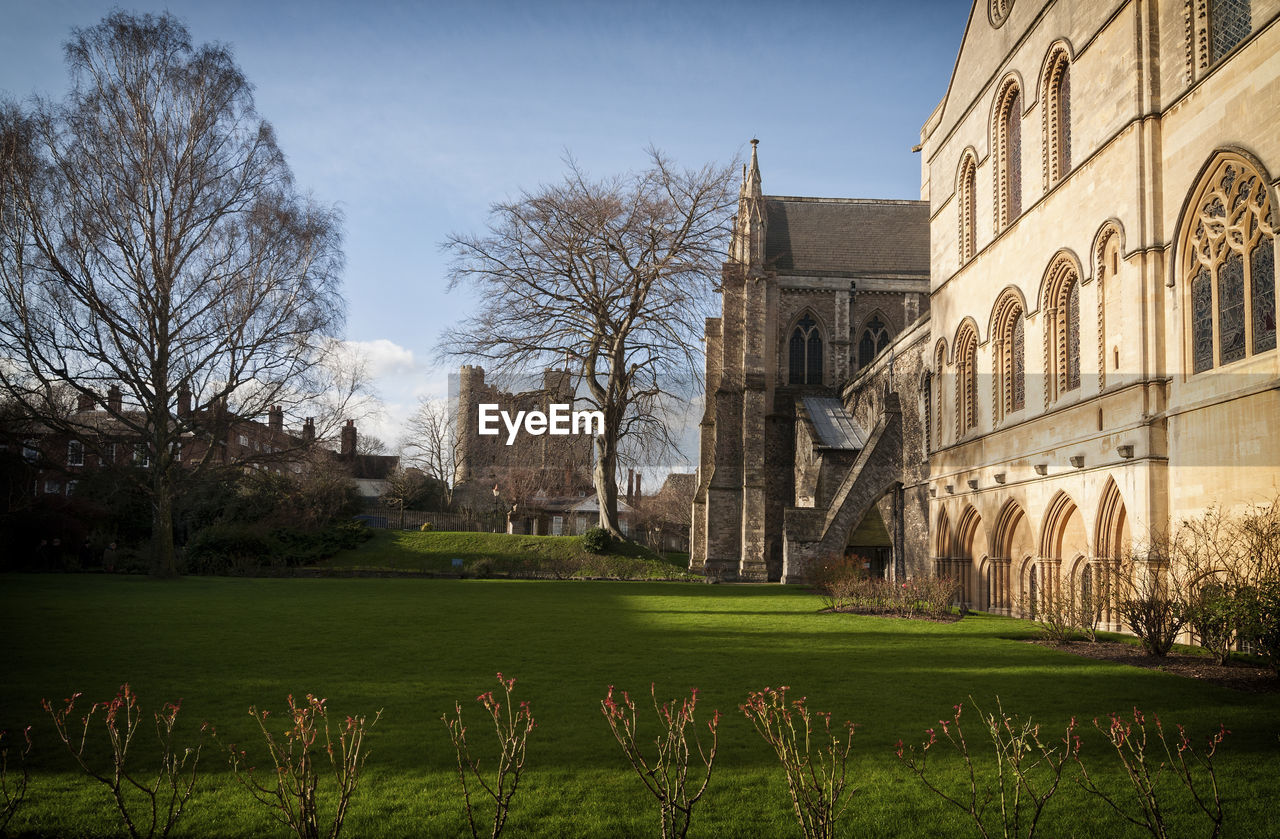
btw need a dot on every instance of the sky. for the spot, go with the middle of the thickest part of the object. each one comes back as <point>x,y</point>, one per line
<point>414,118</point>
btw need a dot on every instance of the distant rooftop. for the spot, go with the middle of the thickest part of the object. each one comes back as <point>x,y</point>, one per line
<point>847,236</point>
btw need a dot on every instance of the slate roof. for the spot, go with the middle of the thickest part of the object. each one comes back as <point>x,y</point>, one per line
<point>846,236</point>
<point>833,425</point>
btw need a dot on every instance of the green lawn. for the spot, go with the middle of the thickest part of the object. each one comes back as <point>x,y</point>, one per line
<point>498,554</point>
<point>413,646</point>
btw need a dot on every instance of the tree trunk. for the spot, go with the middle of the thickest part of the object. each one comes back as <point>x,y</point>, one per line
<point>163,561</point>
<point>606,488</point>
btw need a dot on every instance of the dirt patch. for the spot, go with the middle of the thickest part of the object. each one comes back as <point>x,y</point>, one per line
<point>1236,675</point>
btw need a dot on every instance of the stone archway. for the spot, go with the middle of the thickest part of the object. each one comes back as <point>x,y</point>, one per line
<point>1014,548</point>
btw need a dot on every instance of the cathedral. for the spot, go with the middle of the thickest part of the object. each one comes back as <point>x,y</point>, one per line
<point>1067,345</point>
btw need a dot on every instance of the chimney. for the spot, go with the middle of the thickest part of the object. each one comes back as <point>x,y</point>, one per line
<point>84,402</point>
<point>184,400</point>
<point>115,400</point>
<point>349,439</point>
<point>631,485</point>
<point>275,419</point>
<point>637,485</point>
<point>309,430</point>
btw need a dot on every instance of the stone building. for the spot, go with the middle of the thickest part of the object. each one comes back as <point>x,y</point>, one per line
<point>815,290</point>
<point>1098,360</point>
<point>532,467</point>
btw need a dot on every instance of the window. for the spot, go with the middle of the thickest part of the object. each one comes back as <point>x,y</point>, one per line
<point>875,337</point>
<point>1010,356</point>
<point>75,453</point>
<point>1229,24</point>
<point>557,525</point>
<point>966,380</point>
<point>805,353</point>
<point>926,392</point>
<point>243,440</point>
<point>1062,328</point>
<point>1008,144</point>
<point>52,488</point>
<point>968,207</point>
<point>1229,266</point>
<point>1057,116</point>
<point>71,487</point>
<point>177,452</point>
<point>30,450</point>
<point>142,456</point>
<point>939,362</point>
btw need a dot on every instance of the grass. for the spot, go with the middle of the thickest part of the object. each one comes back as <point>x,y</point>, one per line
<point>499,554</point>
<point>413,646</point>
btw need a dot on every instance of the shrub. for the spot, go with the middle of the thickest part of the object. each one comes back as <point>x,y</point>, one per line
<point>227,549</point>
<point>13,789</point>
<point>166,796</point>
<point>666,774</point>
<point>512,726</point>
<point>814,758</point>
<point>1027,773</point>
<point>1215,613</point>
<point>596,540</point>
<point>1146,773</point>
<point>292,789</point>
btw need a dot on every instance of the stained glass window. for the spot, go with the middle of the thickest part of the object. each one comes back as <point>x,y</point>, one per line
<point>814,368</point>
<point>1013,149</point>
<point>1262,270</point>
<point>1073,338</point>
<point>796,354</point>
<point>866,349</point>
<point>1201,321</point>
<point>1231,310</point>
<point>1018,365</point>
<point>1064,120</point>
<point>1229,24</point>
<point>804,351</point>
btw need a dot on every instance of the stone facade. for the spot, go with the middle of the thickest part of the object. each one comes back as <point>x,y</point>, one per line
<point>1096,359</point>
<point>809,282</point>
<point>550,466</point>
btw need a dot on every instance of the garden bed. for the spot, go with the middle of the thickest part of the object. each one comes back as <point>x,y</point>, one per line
<point>1237,675</point>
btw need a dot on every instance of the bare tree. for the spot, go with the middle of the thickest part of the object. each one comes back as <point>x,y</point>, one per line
<point>612,277</point>
<point>430,442</point>
<point>152,239</point>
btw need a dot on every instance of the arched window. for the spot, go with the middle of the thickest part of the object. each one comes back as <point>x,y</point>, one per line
<point>1230,266</point>
<point>1230,22</point>
<point>1057,116</point>
<point>968,207</point>
<point>926,392</point>
<point>966,380</point>
<point>805,353</point>
<point>939,362</point>
<point>875,337</point>
<point>1062,332</point>
<point>1008,143</point>
<point>1009,356</point>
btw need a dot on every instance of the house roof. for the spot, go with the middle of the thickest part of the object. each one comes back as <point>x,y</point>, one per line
<point>833,426</point>
<point>846,236</point>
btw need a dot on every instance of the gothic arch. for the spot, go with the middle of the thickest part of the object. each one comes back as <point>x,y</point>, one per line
<point>806,342</point>
<point>1062,532</point>
<point>1006,146</point>
<point>927,408</point>
<point>1060,302</point>
<point>1226,263</point>
<point>939,365</point>
<point>1110,543</point>
<point>942,537</point>
<point>967,206</point>
<point>966,364</point>
<point>968,550</point>
<point>1055,98</point>
<point>875,333</point>
<point>1108,252</point>
<point>1012,548</point>
<point>1007,336</point>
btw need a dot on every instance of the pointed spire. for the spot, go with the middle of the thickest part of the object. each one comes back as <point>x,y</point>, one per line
<point>751,181</point>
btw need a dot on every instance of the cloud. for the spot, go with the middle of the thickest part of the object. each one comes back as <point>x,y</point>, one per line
<point>385,358</point>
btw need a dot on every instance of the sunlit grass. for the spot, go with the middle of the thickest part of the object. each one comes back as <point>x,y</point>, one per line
<point>413,646</point>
